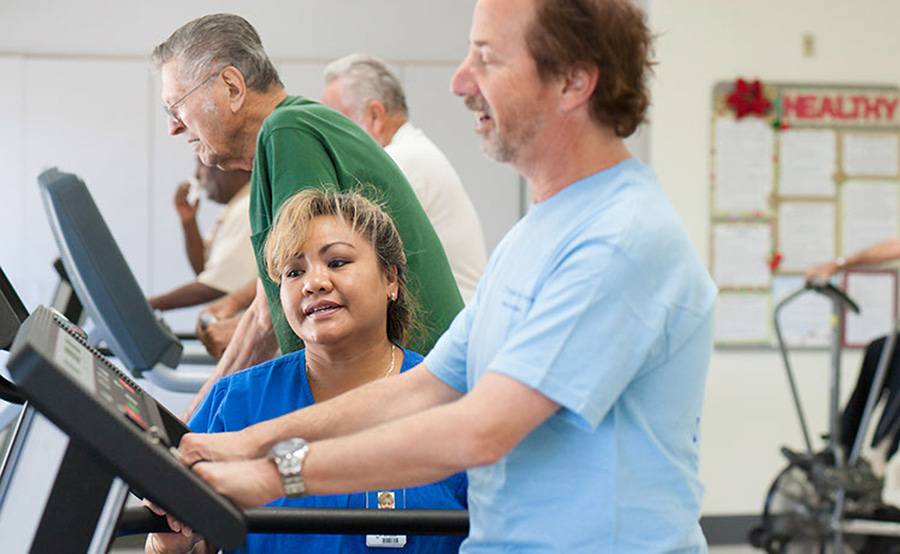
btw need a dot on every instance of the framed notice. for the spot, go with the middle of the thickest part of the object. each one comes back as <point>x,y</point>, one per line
<point>799,175</point>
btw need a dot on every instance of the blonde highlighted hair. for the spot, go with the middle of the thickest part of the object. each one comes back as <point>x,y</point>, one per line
<point>366,218</point>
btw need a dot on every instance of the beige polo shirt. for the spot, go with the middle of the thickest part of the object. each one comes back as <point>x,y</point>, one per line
<point>446,203</point>
<point>230,263</point>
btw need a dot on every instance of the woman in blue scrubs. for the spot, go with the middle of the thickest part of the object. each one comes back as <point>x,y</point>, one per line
<point>342,272</point>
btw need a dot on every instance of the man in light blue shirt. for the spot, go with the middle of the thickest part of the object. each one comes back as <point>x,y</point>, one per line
<point>596,300</point>
<point>571,386</point>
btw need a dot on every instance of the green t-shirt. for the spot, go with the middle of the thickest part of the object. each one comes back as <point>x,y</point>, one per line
<point>304,144</point>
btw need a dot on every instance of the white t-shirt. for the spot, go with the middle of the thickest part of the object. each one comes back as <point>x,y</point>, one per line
<point>230,263</point>
<point>441,193</point>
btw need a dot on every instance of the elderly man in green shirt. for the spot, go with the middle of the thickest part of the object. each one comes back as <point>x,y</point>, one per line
<point>223,94</point>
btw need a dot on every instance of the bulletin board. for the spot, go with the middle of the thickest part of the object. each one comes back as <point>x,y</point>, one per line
<point>800,175</point>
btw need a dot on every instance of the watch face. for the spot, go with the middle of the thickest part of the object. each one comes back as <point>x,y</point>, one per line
<point>287,447</point>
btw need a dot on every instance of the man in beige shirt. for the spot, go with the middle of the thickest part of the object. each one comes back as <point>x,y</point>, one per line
<point>223,261</point>
<point>364,89</point>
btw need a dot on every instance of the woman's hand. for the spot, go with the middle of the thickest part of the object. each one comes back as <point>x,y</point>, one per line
<point>180,541</point>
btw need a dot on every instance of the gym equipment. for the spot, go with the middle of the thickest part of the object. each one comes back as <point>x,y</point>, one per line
<point>108,289</point>
<point>830,497</point>
<point>122,438</point>
<point>96,403</point>
<point>12,314</point>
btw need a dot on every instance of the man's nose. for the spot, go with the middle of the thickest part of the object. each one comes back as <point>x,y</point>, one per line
<point>462,84</point>
<point>176,127</point>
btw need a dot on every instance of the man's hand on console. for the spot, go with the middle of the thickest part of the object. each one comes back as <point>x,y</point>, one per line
<point>218,447</point>
<point>247,483</point>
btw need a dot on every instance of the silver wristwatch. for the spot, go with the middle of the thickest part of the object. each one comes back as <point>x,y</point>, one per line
<point>288,457</point>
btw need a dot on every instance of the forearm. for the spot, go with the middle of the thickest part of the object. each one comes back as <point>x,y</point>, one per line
<point>882,252</point>
<point>190,294</point>
<point>421,448</point>
<point>253,341</point>
<point>476,429</point>
<point>243,297</point>
<point>415,450</point>
<point>193,245</point>
<point>361,408</point>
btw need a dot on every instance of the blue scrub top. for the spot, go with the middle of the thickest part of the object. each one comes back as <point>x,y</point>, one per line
<point>597,299</point>
<point>278,387</point>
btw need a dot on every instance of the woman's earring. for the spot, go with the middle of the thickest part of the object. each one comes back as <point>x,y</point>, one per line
<point>393,297</point>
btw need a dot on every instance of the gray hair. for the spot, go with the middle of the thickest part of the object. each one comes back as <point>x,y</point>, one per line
<point>365,78</point>
<point>218,40</point>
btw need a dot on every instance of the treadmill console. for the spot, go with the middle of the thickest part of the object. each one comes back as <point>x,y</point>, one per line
<point>97,404</point>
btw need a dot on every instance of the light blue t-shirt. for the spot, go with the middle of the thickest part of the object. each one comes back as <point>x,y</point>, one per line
<point>597,299</point>
<point>279,386</point>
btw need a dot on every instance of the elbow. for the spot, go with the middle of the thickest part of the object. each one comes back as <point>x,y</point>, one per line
<point>483,445</point>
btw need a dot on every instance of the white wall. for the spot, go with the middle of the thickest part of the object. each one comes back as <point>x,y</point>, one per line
<point>747,412</point>
<point>78,93</point>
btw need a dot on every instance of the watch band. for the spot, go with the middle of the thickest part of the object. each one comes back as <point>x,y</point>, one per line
<point>288,457</point>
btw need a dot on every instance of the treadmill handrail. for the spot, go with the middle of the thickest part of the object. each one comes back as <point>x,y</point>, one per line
<point>324,521</point>
<point>175,380</point>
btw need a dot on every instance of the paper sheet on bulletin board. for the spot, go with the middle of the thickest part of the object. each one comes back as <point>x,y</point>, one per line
<point>869,213</point>
<point>800,174</point>
<point>875,291</point>
<point>807,162</point>
<point>742,319</point>
<point>742,254</point>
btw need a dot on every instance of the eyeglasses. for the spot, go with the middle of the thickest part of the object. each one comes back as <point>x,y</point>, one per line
<point>170,109</point>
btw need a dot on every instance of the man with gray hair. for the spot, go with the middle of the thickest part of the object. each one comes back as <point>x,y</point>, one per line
<point>223,94</point>
<point>365,90</point>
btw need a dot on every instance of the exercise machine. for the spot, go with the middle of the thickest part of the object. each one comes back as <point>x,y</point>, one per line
<point>110,437</point>
<point>830,499</point>
<point>105,285</point>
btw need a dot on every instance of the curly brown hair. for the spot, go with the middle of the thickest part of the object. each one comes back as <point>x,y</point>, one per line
<point>611,35</point>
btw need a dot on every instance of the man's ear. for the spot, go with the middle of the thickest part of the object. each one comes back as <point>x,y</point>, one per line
<point>578,85</point>
<point>237,87</point>
<point>375,113</point>
<point>375,118</point>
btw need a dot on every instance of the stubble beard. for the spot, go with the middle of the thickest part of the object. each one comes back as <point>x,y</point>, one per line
<point>501,142</point>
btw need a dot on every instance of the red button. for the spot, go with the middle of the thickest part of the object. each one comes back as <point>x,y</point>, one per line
<point>124,384</point>
<point>133,416</point>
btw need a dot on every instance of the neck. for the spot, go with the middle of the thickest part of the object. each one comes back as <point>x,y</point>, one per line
<point>584,148</point>
<point>258,106</point>
<point>391,124</point>
<point>333,371</point>
<point>233,189</point>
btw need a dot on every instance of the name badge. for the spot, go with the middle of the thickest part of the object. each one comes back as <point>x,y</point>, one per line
<point>386,500</point>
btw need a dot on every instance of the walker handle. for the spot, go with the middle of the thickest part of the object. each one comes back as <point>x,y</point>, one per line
<point>831,291</point>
